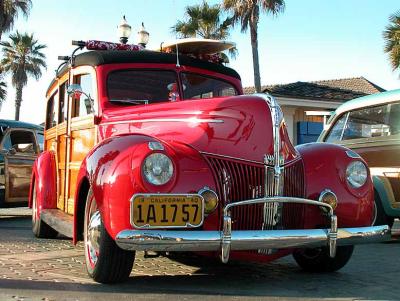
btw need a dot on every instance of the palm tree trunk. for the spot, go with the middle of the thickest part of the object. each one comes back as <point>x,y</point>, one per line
<point>254,49</point>
<point>18,100</point>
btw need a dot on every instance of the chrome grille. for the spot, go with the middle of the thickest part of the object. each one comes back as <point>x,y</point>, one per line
<point>238,180</point>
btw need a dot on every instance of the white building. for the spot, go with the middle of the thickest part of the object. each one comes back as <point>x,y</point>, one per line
<point>304,104</point>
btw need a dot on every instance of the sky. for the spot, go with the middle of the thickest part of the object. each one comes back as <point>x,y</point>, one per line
<point>312,40</point>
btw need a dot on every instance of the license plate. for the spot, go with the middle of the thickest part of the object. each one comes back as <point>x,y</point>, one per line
<point>165,210</point>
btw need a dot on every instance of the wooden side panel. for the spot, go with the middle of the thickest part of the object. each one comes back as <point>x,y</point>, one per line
<point>50,140</point>
<point>81,142</point>
<point>61,159</point>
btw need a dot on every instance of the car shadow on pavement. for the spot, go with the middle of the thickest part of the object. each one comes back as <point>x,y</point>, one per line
<point>280,280</point>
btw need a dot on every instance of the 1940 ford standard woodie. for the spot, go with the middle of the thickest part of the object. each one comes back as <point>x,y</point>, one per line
<point>157,151</point>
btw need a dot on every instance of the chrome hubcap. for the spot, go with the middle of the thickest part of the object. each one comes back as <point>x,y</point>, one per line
<point>34,205</point>
<point>93,233</point>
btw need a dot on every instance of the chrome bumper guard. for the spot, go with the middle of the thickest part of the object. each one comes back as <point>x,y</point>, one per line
<point>228,240</point>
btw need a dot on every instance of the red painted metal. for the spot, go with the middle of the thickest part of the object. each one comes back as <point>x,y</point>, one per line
<point>219,143</point>
<point>325,167</point>
<point>44,176</point>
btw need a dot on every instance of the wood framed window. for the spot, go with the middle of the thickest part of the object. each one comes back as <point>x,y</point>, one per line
<point>82,107</point>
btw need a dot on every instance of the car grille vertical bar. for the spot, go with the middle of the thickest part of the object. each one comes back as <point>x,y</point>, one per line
<point>238,180</point>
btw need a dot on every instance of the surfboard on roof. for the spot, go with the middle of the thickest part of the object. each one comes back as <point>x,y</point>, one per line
<point>196,46</point>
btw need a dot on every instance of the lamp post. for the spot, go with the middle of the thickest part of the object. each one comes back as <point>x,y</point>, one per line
<point>124,31</point>
<point>143,36</point>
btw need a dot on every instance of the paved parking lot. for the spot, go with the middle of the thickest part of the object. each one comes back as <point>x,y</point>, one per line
<point>38,269</point>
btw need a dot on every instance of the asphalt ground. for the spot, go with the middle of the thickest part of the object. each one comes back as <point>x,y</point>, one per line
<point>40,269</point>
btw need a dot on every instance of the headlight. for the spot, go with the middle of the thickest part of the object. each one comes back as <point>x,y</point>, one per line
<point>356,174</point>
<point>158,169</point>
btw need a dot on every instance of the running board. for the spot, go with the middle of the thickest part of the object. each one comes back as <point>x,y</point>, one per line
<point>59,221</point>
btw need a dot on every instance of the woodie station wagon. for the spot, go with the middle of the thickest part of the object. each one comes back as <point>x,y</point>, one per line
<point>370,126</point>
<point>20,144</point>
<point>159,151</point>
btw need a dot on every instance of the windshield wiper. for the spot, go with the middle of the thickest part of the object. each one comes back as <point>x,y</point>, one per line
<point>131,101</point>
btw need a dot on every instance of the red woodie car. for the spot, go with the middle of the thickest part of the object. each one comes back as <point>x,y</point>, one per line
<point>150,151</point>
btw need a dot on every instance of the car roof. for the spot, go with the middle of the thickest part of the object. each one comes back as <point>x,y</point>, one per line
<point>19,124</point>
<point>368,101</point>
<point>105,57</point>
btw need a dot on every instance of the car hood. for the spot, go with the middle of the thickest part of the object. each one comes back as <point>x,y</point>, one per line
<point>238,127</point>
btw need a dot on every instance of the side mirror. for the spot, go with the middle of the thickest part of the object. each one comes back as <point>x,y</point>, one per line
<point>75,90</point>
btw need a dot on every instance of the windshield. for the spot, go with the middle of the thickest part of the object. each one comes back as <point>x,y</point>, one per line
<point>200,86</point>
<point>140,86</point>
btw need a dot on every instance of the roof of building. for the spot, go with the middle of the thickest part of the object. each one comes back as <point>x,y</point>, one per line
<point>19,124</point>
<point>335,90</point>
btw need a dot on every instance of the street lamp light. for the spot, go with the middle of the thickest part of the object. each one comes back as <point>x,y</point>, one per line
<point>124,31</point>
<point>143,36</point>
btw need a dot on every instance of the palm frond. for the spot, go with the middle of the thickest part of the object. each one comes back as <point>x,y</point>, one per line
<point>3,92</point>
<point>391,35</point>
<point>203,20</point>
<point>246,11</point>
<point>9,11</point>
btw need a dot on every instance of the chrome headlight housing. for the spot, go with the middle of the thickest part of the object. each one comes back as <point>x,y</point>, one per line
<point>157,169</point>
<point>356,174</point>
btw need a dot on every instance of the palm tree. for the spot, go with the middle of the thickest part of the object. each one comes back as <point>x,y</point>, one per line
<point>22,57</point>
<point>392,38</point>
<point>204,21</point>
<point>9,10</point>
<point>247,13</point>
<point>3,92</point>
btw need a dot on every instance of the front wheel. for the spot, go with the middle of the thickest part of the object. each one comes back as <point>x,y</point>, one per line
<point>318,259</point>
<point>105,261</point>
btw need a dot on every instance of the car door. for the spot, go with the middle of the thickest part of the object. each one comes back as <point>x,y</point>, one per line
<point>19,148</point>
<point>82,132</point>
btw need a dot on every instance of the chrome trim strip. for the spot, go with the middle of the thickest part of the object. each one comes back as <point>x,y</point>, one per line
<point>155,145</point>
<point>279,199</point>
<point>231,158</point>
<point>352,154</point>
<point>188,120</point>
<point>277,119</point>
<point>261,163</point>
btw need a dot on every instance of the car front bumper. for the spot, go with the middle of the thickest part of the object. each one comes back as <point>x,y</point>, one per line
<point>227,240</point>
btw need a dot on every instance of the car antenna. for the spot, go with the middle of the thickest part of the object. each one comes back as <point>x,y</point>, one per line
<point>176,38</point>
<point>177,55</point>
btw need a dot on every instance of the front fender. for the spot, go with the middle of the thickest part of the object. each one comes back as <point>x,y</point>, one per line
<point>113,170</point>
<point>45,177</point>
<point>325,168</point>
<point>106,165</point>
